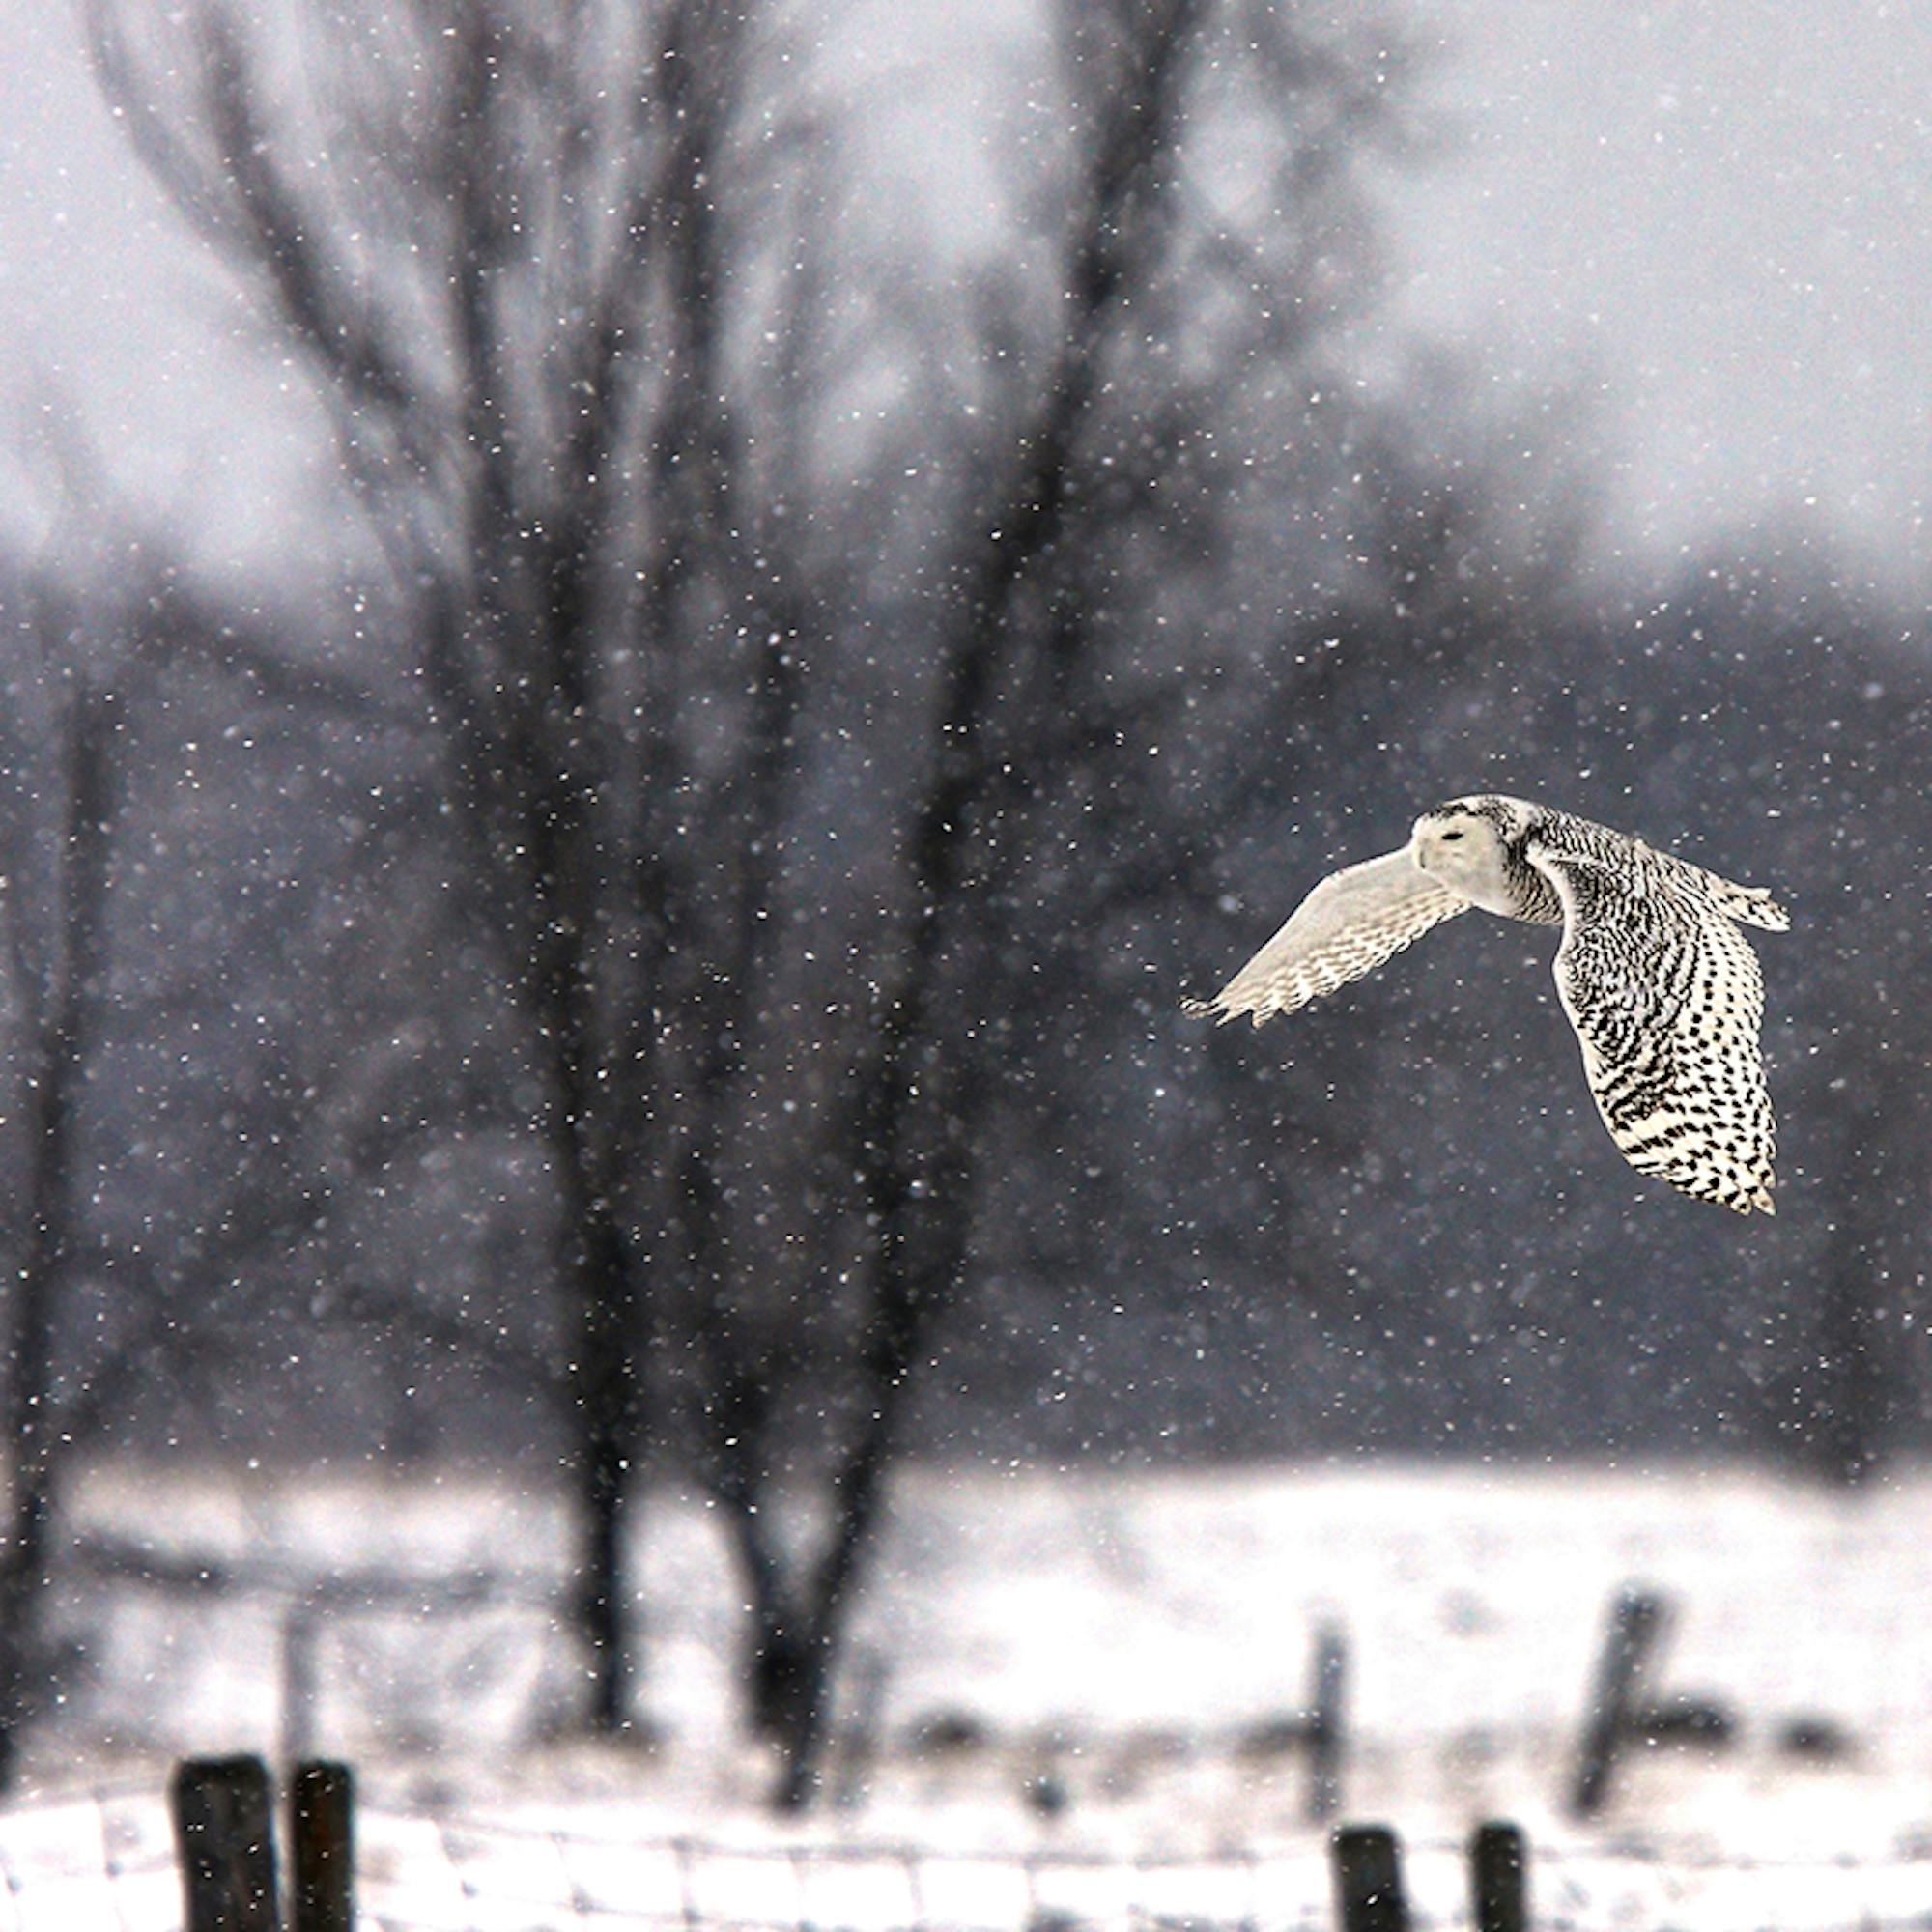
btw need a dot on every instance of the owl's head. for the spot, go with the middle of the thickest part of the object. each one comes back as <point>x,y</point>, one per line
<point>1464,844</point>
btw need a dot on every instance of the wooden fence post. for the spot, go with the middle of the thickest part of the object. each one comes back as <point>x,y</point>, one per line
<point>302,1627</point>
<point>1324,1724</point>
<point>1500,1891</point>
<point>322,1848</point>
<point>224,1833</point>
<point>1368,1880</point>
<point>1636,1623</point>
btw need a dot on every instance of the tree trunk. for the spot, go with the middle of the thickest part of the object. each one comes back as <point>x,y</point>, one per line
<point>908,1305</point>
<point>779,1676</point>
<point>23,1571</point>
<point>607,1423</point>
<point>59,1009</point>
<point>920,1106</point>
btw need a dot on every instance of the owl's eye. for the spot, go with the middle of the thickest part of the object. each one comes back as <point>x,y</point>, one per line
<point>1448,836</point>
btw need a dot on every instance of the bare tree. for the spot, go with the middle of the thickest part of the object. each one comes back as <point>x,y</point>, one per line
<point>509,304</point>
<point>585,379</point>
<point>56,971</point>
<point>94,1326</point>
<point>1031,688</point>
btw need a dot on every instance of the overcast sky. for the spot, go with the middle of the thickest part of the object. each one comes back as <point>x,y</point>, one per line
<point>1719,206</point>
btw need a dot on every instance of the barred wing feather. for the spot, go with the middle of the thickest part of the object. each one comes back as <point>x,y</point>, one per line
<point>1668,1000</point>
<point>1347,926</point>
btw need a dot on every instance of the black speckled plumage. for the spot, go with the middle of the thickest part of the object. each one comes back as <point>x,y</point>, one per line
<point>1661,985</point>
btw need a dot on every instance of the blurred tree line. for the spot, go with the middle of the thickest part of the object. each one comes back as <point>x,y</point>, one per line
<point>667,963</point>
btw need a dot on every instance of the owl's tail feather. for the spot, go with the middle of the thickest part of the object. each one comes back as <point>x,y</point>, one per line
<point>1749,905</point>
<point>1752,905</point>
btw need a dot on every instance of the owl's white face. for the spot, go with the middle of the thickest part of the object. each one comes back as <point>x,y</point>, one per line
<point>1464,850</point>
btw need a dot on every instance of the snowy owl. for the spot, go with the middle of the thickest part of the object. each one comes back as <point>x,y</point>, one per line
<point>1661,985</point>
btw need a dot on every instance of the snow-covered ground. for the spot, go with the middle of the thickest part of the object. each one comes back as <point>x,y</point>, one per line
<point>1119,1644</point>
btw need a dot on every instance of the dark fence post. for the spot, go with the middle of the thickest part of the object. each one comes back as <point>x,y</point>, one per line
<point>1368,1880</point>
<point>1499,1891</point>
<point>224,1831</point>
<point>302,1634</point>
<point>1636,1623</point>
<point>1324,1724</point>
<point>322,1848</point>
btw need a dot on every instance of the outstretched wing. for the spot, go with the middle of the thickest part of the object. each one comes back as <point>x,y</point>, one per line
<point>1347,926</point>
<point>1666,998</point>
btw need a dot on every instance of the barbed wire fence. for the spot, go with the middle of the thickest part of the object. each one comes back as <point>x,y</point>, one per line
<point>112,1856</point>
<point>497,1877</point>
<point>1810,1643</point>
<point>108,1859</point>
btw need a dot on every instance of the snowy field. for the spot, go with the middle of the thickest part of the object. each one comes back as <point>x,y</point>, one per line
<point>1107,1653</point>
